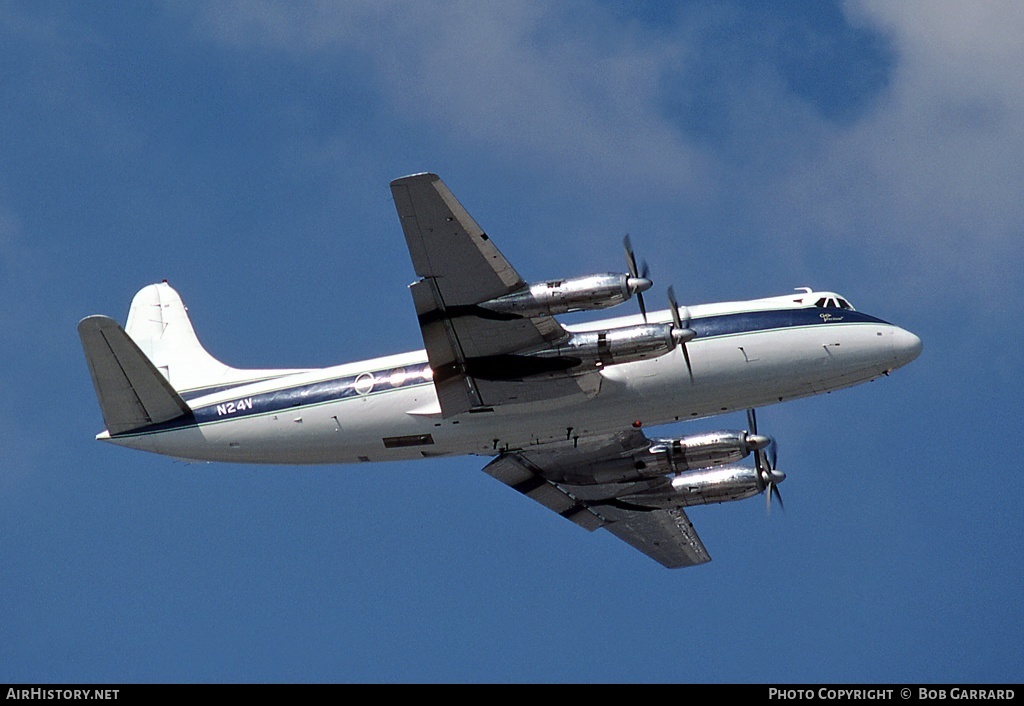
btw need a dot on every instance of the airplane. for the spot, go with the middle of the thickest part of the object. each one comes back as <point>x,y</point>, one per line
<point>560,409</point>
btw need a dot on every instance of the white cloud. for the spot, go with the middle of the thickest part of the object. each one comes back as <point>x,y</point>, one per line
<point>934,171</point>
<point>929,175</point>
<point>532,81</point>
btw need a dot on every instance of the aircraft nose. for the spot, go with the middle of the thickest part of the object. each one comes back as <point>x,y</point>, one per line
<point>905,346</point>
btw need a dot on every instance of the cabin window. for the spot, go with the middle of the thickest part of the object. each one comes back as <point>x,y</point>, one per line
<point>364,383</point>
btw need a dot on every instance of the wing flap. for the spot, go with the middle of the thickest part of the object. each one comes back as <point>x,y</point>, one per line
<point>456,392</point>
<point>514,471</point>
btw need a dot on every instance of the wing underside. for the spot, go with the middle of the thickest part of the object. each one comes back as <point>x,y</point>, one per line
<point>664,534</point>
<point>667,536</point>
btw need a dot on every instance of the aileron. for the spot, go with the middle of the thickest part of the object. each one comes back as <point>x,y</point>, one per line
<point>516,472</point>
<point>667,536</point>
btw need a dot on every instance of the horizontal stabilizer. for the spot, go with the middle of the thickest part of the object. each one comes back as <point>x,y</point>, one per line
<point>131,391</point>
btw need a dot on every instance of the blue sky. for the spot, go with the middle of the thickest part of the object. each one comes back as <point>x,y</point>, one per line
<point>243,150</point>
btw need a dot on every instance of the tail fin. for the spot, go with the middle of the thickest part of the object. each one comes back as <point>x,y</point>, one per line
<point>131,391</point>
<point>159,324</point>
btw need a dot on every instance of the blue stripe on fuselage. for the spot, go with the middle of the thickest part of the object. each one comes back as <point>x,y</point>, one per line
<point>752,321</point>
<point>305,395</point>
<point>316,393</point>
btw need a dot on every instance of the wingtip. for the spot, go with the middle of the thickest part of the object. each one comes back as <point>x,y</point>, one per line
<point>95,322</point>
<point>411,178</point>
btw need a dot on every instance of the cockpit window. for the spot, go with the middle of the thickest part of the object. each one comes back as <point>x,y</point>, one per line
<point>833,303</point>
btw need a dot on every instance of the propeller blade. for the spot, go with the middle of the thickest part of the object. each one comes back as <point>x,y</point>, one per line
<point>638,278</point>
<point>778,496</point>
<point>684,331</point>
<point>766,458</point>
<point>643,307</point>
<point>760,474</point>
<point>773,489</point>
<point>674,307</point>
<point>686,357</point>
<point>630,256</point>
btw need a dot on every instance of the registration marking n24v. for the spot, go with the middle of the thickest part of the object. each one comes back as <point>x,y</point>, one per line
<point>232,407</point>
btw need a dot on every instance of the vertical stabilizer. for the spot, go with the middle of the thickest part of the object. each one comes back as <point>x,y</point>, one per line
<point>158,323</point>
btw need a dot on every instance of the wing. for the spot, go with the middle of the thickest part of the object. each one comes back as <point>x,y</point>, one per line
<point>664,534</point>
<point>477,355</point>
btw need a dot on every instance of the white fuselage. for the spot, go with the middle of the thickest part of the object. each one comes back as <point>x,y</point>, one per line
<point>747,354</point>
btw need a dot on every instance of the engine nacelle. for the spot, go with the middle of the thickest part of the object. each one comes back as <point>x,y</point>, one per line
<point>568,295</point>
<point>618,345</point>
<point>713,448</point>
<point>668,456</point>
<point>710,485</point>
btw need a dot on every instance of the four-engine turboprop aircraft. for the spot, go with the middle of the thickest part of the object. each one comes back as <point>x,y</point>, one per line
<point>558,407</point>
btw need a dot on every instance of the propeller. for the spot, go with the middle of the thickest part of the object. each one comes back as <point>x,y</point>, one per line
<point>638,282</point>
<point>681,331</point>
<point>768,478</point>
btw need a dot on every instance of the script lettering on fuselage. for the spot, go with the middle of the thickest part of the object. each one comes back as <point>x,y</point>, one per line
<point>232,407</point>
